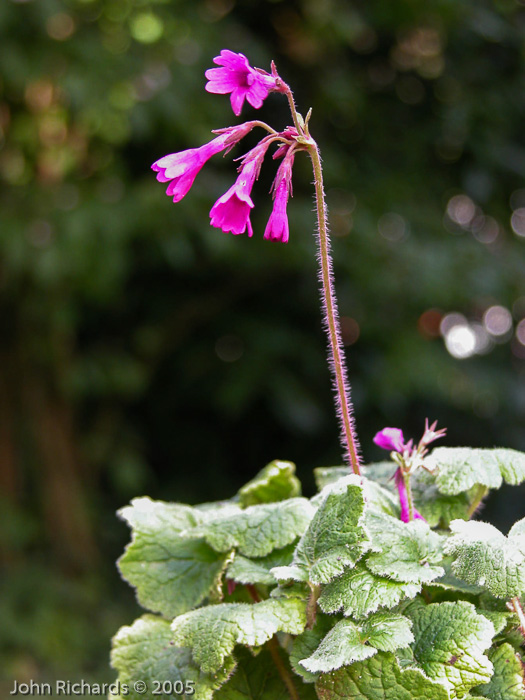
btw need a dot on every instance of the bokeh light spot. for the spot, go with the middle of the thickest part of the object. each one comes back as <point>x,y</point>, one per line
<point>485,229</point>
<point>146,28</point>
<point>461,209</point>
<point>60,26</point>
<point>349,330</point>
<point>229,348</point>
<point>497,320</point>
<point>460,341</point>
<point>428,323</point>
<point>520,331</point>
<point>392,226</point>
<point>517,221</point>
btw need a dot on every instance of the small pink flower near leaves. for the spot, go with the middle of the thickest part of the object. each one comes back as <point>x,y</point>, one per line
<point>231,212</point>
<point>238,77</point>
<point>390,439</point>
<point>277,226</point>
<point>182,168</point>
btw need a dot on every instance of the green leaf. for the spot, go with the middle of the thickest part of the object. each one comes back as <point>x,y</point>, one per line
<point>348,642</point>
<point>358,592</point>
<point>276,482</point>
<point>380,495</point>
<point>336,537</point>
<point>343,645</point>
<point>437,508</point>
<point>148,516</point>
<point>485,557</point>
<point>388,631</point>
<point>212,632</point>
<point>171,573</point>
<point>378,678</point>
<point>460,468</point>
<point>259,529</point>
<point>408,552</point>
<point>517,529</point>
<point>145,652</point>
<point>450,640</point>
<point>507,683</point>
<point>244,570</point>
<point>324,476</point>
<point>257,678</point>
<point>306,643</point>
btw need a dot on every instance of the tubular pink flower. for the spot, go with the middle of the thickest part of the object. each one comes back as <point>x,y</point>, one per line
<point>390,439</point>
<point>277,226</point>
<point>238,77</point>
<point>231,212</point>
<point>182,168</point>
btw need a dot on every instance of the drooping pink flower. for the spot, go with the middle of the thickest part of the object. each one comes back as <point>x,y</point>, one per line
<point>403,500</point>
<point>237,77</point>
<point>390,439</point>
<point>231,212</point>
<point>182,168</point>
<point>277,226</point>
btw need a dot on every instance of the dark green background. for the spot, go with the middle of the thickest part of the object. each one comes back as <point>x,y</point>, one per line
<point>143,351</point>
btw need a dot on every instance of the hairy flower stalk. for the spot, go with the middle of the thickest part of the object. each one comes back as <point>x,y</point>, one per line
<point>332,324</point>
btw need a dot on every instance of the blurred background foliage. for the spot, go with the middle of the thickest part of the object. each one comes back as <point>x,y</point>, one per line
<point>144,352</point>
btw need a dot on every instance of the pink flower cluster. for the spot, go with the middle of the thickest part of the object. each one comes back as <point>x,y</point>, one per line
<point>231,212</point>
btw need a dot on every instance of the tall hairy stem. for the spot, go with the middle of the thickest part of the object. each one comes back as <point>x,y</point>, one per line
<point>343,400</point>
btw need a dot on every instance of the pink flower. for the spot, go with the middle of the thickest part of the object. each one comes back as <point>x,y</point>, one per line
<point>390,439</point>
<point>277,226</point>
<point>231,212</point>
<point>239,78</point>
<point>182,168</point>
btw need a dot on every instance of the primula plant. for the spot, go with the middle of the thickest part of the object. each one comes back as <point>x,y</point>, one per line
<point>383,586</point>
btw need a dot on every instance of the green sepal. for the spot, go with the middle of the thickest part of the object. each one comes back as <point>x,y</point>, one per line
<point>145,652</point>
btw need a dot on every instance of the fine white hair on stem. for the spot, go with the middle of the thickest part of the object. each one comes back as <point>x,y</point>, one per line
<point>331,324</point>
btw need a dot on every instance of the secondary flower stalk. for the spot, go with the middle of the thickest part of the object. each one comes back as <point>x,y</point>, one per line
<point>408,458</point>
